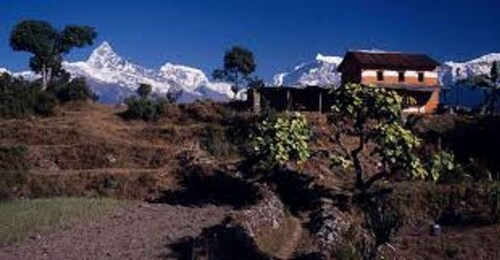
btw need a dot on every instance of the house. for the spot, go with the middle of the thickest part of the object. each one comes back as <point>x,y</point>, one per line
<point>411,75</point>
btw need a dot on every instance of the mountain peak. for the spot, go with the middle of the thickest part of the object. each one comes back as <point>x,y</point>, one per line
<point>104,57</point>
<point>105,46</point>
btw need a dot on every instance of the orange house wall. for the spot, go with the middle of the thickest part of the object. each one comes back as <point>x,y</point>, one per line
<point>395,80</point>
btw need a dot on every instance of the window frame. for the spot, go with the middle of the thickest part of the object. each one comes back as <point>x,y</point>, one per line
<point>380,75</point>
<point>420,76</point>
<point>401,76</point>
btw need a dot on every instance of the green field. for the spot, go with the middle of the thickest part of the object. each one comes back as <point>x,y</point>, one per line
<point>19,219</point>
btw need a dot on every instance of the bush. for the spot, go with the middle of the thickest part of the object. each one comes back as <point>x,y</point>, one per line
<point>74,90</point>
<point>13,166</point>
<point>20,98</point>
<point>143,108</point>
<point>44,104</point>
<point>443,168</point>
<point>282,139</point>
<point>384,217</point>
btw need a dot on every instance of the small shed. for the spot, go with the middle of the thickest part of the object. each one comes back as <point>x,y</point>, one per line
<point>310,98</point>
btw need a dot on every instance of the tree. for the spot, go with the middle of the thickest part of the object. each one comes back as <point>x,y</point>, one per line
<point>239,63</point>
<point>48,45</point>
<point>144,90</point>
<point>256,83</point>
<point>490,84</point>
<point>373,114</point>
<point>173,95</point>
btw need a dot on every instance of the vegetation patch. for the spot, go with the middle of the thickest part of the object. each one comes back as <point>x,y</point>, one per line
<point>19,219</point>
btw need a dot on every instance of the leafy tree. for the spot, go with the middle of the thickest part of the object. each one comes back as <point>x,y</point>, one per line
<point>48,45</point>
<point>374,114</point>
<point>490,84</point>
<point>239,63</point>
<point>256,83</point>
<point>144,90</point>
<point>282,139</point>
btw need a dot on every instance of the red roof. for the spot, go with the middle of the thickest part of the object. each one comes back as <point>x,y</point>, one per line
<point>389,60</point>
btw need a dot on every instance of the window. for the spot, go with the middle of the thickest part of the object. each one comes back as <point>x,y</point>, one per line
<point>401,76</point>
<point>380,75</point>
<point>420,77</point>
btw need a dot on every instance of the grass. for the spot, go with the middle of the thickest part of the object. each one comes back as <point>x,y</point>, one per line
<point>18,219</point>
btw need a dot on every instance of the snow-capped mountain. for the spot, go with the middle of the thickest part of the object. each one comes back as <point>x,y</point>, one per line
<point>322,71</point>
<point>451,72</point>
<point>114,78</point>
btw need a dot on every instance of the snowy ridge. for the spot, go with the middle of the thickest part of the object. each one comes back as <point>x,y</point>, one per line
<point>451,72</point>
<point>322,71</point>
<point>4,70</point>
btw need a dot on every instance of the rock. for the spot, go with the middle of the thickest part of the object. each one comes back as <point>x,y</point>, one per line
<point>328,222</point>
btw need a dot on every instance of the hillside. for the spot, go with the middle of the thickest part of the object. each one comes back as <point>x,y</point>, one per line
<point>196,155</point>
<point>91,142</point>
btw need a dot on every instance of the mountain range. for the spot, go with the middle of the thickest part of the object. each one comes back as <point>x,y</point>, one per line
<point>323,71</point>
<point>114,78</point>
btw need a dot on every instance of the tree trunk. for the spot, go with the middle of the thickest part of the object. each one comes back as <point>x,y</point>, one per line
<point>44,77</point>
<point>375,178</point>
<point>236,87</point>
<point>358,166</point>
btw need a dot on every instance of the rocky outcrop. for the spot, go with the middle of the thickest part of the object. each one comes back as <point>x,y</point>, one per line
<point>268,213</point>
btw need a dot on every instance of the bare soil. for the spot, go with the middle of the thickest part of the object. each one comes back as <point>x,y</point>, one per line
<point>142,231</point>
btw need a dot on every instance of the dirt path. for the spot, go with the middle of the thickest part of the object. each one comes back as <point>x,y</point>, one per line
<point>143,231</point>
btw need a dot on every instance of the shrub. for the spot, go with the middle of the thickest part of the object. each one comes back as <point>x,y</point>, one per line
<point>383,216</point>
<point>21,98</point>
<point>13,165</point>
<point>45,103</point>
<point>143,108</point>
<point>282,139</point>
<point>18,97</point>
<point>443,168</point>
<point>74,90</point>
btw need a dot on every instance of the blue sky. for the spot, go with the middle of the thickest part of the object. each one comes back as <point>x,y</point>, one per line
<point>280,33</point>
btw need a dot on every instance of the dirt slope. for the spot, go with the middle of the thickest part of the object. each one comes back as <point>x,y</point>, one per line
<point>139,232</point>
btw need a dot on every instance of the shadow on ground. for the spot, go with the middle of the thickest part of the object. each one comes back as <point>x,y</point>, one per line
<point>219,242</point>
